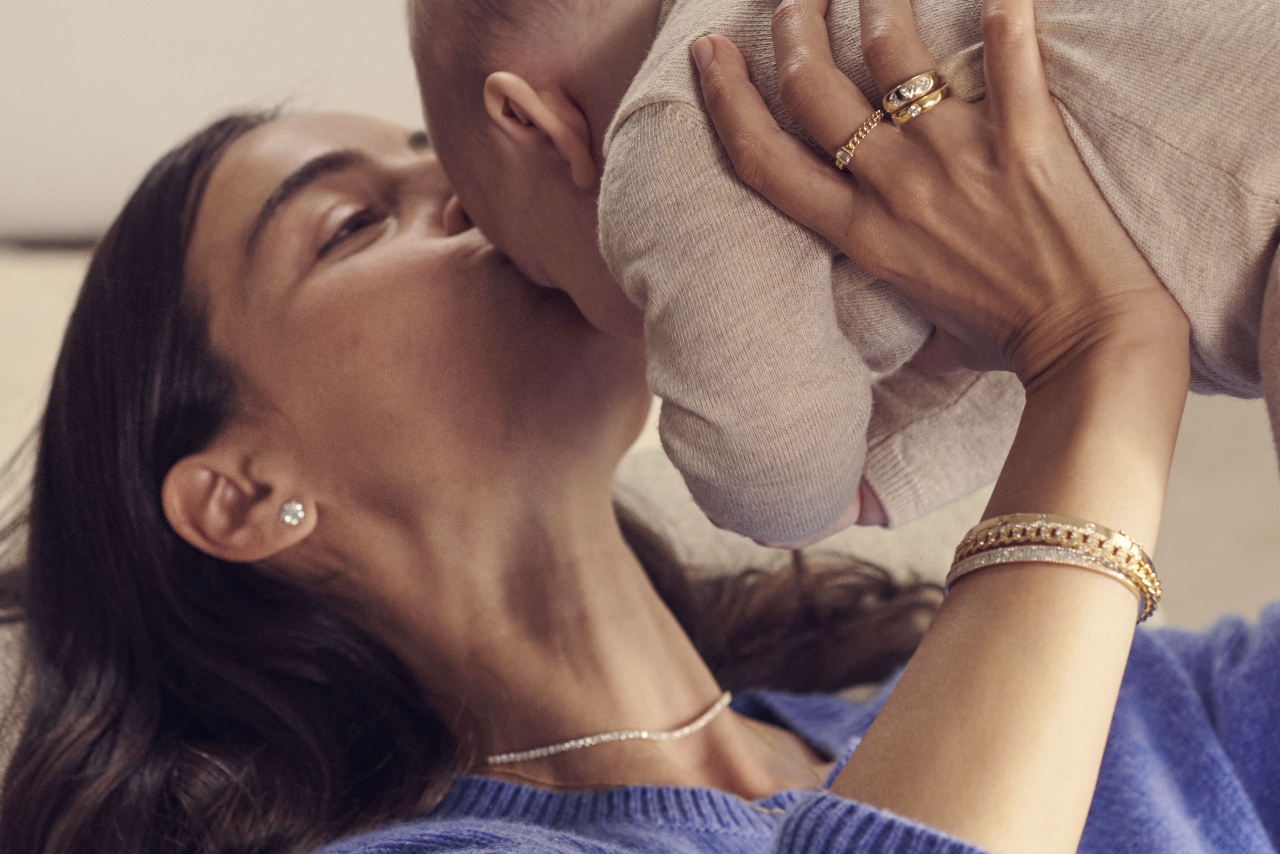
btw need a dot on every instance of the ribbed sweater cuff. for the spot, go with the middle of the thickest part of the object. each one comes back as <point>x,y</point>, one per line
<point>827,824</point>
<point>893,482</point>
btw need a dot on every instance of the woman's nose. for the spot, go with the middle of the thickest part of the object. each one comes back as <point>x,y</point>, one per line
<point>424,178</point>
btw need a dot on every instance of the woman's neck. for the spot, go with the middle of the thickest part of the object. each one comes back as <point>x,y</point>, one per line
<point>530,622</point>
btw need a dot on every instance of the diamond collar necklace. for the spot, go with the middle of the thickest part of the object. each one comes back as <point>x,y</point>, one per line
<point>617,735</point>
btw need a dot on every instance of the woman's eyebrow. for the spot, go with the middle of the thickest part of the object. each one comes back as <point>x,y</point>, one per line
<point>302,177</point>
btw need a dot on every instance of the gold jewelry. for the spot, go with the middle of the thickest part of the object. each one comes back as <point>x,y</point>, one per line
<point>845,155</point>
<point>1048,538</point>
<point>1040,554</point>
<point>617,735</point>
<point>912,90</point>
<point>922,106</point>
<point>556,785</point>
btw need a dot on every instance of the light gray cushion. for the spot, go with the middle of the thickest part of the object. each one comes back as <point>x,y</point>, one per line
<point>649,485</point>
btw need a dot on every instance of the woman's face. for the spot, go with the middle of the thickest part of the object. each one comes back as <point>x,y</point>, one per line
<point>393,347</point>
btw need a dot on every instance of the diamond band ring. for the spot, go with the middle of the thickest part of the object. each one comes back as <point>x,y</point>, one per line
<point>912,90</point>
<point>921,105</point>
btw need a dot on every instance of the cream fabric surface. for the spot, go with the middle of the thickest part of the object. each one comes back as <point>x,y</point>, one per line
<point>1271,349</point>
<point>763,340</point>
<point>649,486</point>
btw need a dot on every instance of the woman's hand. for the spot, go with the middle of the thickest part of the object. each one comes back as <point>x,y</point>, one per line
<point>983,215</point>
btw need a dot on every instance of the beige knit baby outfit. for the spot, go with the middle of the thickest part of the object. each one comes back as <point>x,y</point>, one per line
<point>764,342</point>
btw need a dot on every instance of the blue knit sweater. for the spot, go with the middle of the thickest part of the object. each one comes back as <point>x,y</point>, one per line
<point>1192,764</point>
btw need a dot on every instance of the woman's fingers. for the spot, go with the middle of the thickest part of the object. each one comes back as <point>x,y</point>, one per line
<point>768,159</point>
<point>812,88</point>
<point>891,45</point>
<point>894,53</point>
<point>1015,73</point>
<point>985,218</point>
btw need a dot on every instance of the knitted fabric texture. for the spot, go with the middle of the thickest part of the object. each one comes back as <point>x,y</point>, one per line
<point>764,342</point>
<point>1192,764</point>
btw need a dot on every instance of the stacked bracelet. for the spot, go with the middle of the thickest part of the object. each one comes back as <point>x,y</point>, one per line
<point>1045,538</point>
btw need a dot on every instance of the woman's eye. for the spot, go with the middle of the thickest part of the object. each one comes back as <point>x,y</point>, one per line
<point>351,226</point>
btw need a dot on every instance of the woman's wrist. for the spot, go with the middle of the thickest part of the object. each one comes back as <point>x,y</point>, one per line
<point>1150,330</point>
<point>1006,762</point>
<point>1097,434</point>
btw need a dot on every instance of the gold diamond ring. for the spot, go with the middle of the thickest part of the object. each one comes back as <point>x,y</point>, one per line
<point>845,155</point>
<point>912,90</point>
<point>921,106</point>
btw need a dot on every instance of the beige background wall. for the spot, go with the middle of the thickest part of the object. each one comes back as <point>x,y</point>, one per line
<point>93,91</point>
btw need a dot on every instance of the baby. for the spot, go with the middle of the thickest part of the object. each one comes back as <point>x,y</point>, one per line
<point>575,137</point>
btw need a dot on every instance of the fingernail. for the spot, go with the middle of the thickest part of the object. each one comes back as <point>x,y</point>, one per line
<point>703,53</point>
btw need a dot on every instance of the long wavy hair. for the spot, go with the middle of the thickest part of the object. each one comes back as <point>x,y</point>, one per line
<point>174,702</point>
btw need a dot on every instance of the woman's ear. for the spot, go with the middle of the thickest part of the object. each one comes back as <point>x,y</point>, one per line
<point>226,503</point>
<point>525,115</point>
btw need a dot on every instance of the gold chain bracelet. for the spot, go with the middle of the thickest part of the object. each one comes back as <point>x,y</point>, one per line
<point>1048,538</point>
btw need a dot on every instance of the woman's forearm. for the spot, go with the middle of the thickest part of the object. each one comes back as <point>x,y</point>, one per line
<point>996,729</point>
<point>986,219</point>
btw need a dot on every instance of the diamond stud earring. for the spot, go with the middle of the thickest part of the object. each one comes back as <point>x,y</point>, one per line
<point>292,513</point>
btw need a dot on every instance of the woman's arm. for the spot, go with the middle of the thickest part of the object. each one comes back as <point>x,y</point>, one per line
<point>996,729</point>
<point>985,217</point>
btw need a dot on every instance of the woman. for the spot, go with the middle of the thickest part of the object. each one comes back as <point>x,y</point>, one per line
<point>321,519</point>
<point>202,679</point>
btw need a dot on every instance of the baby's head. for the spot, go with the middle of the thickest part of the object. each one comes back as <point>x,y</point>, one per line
<point>517,95</point>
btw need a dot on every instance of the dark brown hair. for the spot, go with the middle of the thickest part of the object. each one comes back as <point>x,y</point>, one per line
<point>174,702</point>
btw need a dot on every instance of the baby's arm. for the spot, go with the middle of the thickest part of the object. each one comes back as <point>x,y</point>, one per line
<point>934,439</point>
<point>765,402</point>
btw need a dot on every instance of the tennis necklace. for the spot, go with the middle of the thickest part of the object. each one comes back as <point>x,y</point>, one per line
<point>617,735</point>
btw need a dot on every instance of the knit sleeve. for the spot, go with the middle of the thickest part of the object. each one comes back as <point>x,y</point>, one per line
<point>1234,671</point>
<point>820,824</point>
<point>828,824</point>
<point>468,836</point>
<point>934,439</point>
<point>765,402</point>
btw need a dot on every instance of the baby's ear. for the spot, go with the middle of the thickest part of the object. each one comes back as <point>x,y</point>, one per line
<point>526,116</point>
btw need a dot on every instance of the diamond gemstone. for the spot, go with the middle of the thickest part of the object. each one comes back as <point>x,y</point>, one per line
<point>292,514</point>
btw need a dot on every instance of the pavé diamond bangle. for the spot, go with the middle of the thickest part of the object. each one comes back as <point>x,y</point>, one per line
<point>1047,538</point>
